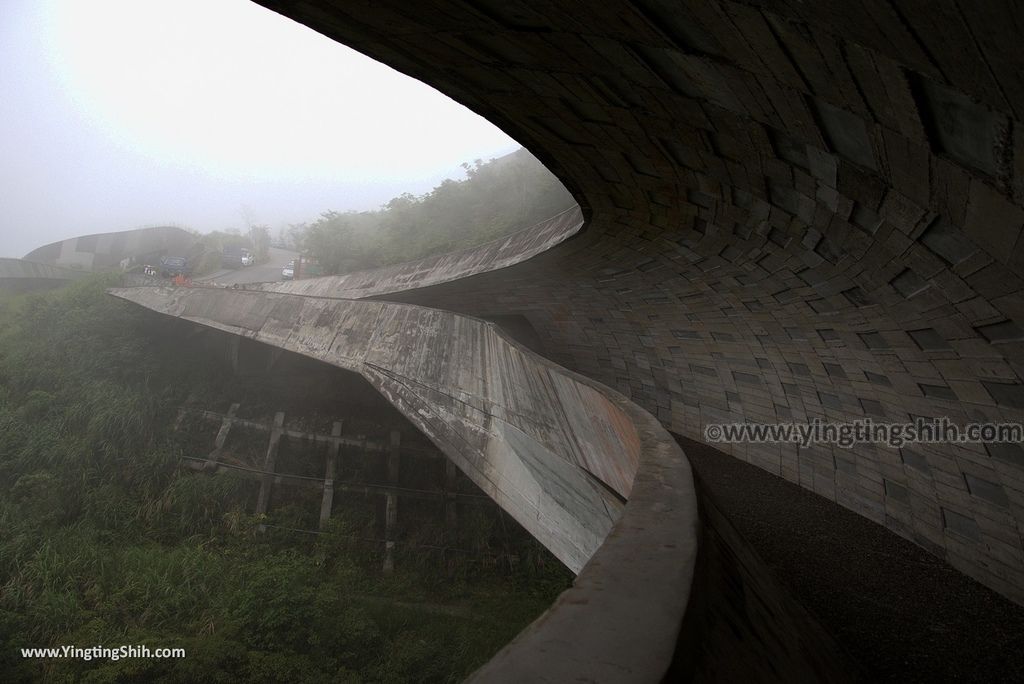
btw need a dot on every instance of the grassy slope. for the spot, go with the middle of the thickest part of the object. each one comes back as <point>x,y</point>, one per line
<point>104,542</point>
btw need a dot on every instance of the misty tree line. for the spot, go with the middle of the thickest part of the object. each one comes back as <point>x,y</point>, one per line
<point>207,257</point>
<point>497,197</point>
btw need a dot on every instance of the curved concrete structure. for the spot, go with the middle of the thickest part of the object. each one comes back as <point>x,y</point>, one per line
<point>112,251</point>
<point>557,451</point>
<point>795,211</point>
<point>490,256</point>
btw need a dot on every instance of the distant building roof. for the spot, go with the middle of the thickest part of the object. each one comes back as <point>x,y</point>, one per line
<point>106,251</point>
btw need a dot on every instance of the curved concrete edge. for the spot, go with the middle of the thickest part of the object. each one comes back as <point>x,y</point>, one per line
<point>497,254</point>
<point>621,619</point>
<point>115,250</point>
<point>535,437</point>
<point>557,451</point>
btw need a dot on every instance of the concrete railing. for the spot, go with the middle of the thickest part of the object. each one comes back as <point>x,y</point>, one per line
<point>433,270</point>
<point>588,473</point>
<point>557,451</point>
<point>620,621</point>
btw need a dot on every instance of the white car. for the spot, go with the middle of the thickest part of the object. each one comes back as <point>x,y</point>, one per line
<point>288,272</point>
<point>248,259</point>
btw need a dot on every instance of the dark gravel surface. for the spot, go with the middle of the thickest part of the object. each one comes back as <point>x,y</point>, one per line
<point>903,614</point>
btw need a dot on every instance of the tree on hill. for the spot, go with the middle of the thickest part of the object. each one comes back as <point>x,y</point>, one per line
<point>496,198</point>
<point>259,238</point>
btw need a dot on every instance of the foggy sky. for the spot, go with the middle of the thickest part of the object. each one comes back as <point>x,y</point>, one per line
<point>208,114</point>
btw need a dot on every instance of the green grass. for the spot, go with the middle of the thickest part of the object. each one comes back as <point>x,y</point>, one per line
<point>103,541</point>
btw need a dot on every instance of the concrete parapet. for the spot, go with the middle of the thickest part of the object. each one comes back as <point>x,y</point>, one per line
<point>552,448</point>
<point>490,256</point>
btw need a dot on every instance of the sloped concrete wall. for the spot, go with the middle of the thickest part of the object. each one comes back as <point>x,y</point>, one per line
<point>491,256</point>
<point>556,451</point>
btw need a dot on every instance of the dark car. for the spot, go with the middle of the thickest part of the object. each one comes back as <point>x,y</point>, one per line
<point>236,257</point>
<point>174,265</point>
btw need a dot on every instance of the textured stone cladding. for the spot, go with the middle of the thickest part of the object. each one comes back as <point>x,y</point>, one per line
<point>796,210</point>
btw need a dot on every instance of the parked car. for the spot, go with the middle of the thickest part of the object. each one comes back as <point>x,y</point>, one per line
<point>171,266</point>
<point>237,257</point>
<point>288,272</point>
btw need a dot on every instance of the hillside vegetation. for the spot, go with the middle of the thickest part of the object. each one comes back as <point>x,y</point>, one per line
<point>105,541</point>
<point>496,198</point>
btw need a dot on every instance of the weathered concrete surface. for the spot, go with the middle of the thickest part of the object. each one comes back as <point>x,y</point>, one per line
<point>796,210</point>
<point>553,449</point>
<point>558,452</point>
<point>490,256</point>
<point>621,619</point>
<point>110,251</point>
<point>19,275</point>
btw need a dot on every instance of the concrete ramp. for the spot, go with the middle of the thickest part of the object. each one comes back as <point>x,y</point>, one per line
<point>551,448</point>
<point>494,255</point>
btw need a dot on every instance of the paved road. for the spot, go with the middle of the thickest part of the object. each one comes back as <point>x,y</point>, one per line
<point>260,273</point>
